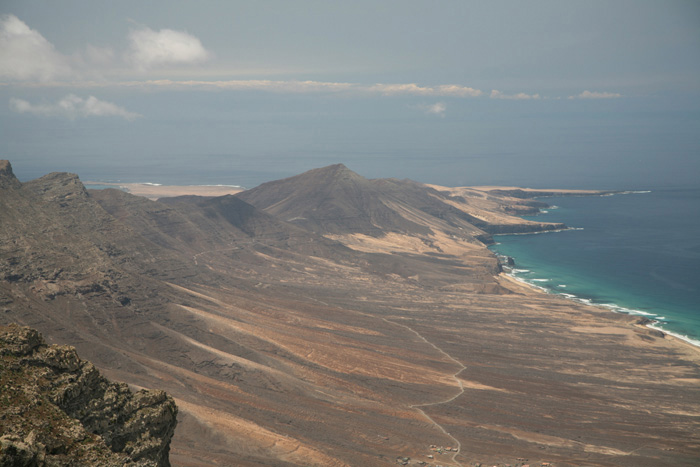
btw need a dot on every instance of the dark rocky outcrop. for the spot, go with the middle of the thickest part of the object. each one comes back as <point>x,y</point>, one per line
<point>7,177</point>
<point>56,409</point>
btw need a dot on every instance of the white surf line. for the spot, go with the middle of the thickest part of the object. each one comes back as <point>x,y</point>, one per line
<point>454,376</point>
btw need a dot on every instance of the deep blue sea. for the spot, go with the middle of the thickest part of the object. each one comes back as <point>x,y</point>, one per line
<point>635,253</point>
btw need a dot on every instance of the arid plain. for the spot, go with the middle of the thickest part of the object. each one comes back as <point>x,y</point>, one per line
<point>328,319</point>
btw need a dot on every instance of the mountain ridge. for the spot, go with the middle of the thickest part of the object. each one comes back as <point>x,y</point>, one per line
<point>335,200</point>
<point>338,346</point>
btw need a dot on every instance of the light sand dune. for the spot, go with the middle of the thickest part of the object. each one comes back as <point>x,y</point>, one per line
<point>165,191</point>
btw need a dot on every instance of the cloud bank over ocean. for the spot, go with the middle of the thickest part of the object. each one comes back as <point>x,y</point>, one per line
<point>73,107</point>
<point>149,48</point>
<point>553,91</point>
<point>25,55</point>
<point>28,58</point>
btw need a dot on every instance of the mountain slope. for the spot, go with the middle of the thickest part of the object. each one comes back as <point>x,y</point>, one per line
<point>400,218</point>
<point>121,284</point>
<point>336,201</point>
<point>333,199</point>
<point>282,347</point>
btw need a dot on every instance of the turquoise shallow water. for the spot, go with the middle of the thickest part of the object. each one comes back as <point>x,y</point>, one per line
<point>635,253</point>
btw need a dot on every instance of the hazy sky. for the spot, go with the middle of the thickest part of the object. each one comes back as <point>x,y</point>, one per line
<point>565,93</point>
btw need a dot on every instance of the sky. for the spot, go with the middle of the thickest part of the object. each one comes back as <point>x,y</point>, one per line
<point>581,94</point>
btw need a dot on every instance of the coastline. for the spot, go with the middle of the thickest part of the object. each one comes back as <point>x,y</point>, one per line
<point>534,192</point>
<point>684,340</point>
<point>156,191</point>
<point>538,277</point>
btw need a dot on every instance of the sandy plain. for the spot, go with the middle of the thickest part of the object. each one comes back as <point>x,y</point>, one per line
<point>155,192</point>
<point>497,374</point>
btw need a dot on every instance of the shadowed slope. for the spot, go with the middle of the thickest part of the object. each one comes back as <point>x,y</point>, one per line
<point>401,218</point>
<point>336,201</point>
<point>333,199</point>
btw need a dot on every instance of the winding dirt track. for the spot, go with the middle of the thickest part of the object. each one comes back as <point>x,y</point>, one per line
<point>417,407</point>
<point>459,382</point>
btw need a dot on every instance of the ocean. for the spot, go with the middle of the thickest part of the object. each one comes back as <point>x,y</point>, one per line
<point>636,253</point>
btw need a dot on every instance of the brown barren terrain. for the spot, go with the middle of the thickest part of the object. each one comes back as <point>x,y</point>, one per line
<point>332,320</point>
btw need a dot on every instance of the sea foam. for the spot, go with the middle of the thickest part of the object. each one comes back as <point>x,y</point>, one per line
<point>657,320</point>
<point>682,337</point>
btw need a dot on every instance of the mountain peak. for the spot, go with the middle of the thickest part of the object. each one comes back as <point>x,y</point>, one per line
<point>331,199</point>
<point>5,166</point>
<point>335,170</point>
<point>58,186</point>
<point>7,176</point>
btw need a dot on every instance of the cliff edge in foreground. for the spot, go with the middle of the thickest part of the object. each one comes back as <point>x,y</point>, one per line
<point>56,409</point>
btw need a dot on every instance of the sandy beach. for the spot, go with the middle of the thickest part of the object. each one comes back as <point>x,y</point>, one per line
<point>154,192</point>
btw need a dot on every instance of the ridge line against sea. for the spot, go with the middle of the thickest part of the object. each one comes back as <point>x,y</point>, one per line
<point>634,254</point>
<point>665,322</point>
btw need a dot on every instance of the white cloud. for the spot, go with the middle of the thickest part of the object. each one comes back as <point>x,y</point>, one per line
<point>292,86</point>
<point>72,107</point>
<point>596,95</point>
<point>103,56</point>
<point>26,55</point>
<point>438,109</point>
<point>395,89</point>
<point>457,91</point>
<point>405,89</point>
<point>416,90</point>
<point>246,85</point>
<point>278,86</point>
<point>519,96</point>
<point>149,48</point>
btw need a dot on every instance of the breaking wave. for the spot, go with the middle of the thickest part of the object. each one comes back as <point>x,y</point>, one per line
<point>657,321</point>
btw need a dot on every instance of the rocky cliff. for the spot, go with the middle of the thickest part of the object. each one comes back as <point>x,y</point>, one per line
<point>56,409</point>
